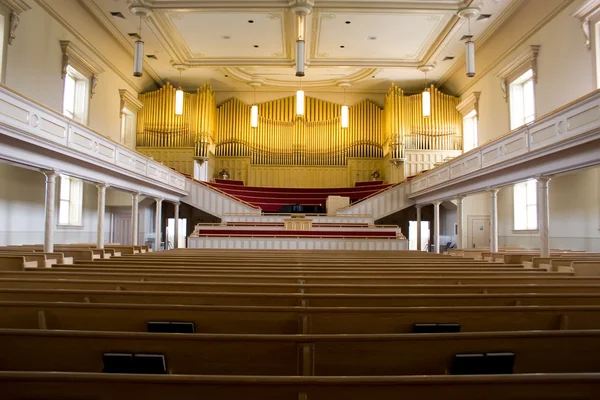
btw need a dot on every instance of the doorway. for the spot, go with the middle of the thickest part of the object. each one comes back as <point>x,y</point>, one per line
<point>478,235</point>
<point>412,235</point>
<point>122,229</point>
<point>171,233</point>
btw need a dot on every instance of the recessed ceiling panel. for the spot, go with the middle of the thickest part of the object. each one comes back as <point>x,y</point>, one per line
<point>378,36</point>
<point>230,34</point>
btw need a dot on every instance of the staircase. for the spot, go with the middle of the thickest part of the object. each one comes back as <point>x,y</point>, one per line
<point>381,204</point>
<point>214,201</point>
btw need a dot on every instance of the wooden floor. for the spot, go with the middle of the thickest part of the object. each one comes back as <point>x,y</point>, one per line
<point>296,325</point>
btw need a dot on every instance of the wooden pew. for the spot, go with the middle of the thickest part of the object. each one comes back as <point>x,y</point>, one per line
<point>331,355</point>
<point>15,263</point>
<point>484,288</point>
<point>293,320</point>
<point>457,278</point>
<point>301,299</point>
<point>40,260</point>
<point>38,385</point>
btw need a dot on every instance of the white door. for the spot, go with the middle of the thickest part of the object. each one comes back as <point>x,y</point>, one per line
<point>479,237</point>
<point>122,232</point>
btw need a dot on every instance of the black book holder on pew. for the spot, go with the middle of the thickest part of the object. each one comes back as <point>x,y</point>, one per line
<point>127,363</point>
<point>483,363</point>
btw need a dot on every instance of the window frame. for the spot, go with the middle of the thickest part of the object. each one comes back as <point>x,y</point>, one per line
<point>469,108</point>
<point>518,88</point>
<point>81,93</point>
<point>70,201</point>
<point>129,104</point>
<point>589,16</point>
<point>527,205</point>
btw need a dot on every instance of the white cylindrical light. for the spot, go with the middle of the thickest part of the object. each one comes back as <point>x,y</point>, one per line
<point>300,58</point>
<point>179,101</point>
<point>470,56</point>
<point>138,58</point>
<point>344,116</point>
<point>254,116</point>
<point>300,102</point>
<point>426,103</point>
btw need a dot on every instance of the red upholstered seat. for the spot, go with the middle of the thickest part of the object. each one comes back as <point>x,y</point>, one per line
<point>271,200</point>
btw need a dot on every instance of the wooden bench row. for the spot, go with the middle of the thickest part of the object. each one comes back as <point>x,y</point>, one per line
<point>288,355</point>
<point>33,385</point>
<point>294,320</point>
<point>562,297</point>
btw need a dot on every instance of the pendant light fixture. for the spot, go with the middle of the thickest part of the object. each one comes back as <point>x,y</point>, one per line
<point>300,9</point>
<point>468,14</point>
<point>345,111</point>
<point>179,92</point>
<point>138,51</point>
<point>426,95</point>
<point>300,101</point>
<point>254,108</point>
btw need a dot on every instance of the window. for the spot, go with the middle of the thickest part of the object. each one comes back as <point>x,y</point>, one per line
<point>522,100</point>
<point>76,96</point>
<point>470,137</point>
<point>525,206</point>
<point>70,208</point>
<point>128,122</point>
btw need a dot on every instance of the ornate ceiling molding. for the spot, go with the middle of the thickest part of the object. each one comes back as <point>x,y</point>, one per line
<point>243,76</point>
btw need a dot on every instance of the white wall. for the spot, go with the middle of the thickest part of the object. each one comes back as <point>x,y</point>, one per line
<point>22,210</point>
<point>565,73</point>
<point>34,62</point>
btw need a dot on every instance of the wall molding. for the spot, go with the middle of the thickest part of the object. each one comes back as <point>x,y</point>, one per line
<point>129,101</point>
<point>523,62</point>
<point>73,56</point>
<point>469,103</point>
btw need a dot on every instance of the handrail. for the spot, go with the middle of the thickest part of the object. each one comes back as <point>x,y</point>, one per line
<point>226,194</point>
<point>372,195</point>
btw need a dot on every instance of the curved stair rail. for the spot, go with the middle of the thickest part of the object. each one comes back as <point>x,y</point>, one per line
<point>215,202</point>
<point>381,204</point>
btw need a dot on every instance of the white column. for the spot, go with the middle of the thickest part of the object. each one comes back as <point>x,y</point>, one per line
<point>157,224</point>
<point>101,212</point>
<point>494,220</point>
<point>419,244</point>
<point>543,205</point>
<point>459,222</point>
<point>176,230</point>
<point>50,207</point>
<point>436,225</point>
<point>135,199</point>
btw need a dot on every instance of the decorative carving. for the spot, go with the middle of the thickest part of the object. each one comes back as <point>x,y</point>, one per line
<point>93,84</point>
<point>72,55</point>
<point>589,10</point>
<point>525,61</point>
<point>14,23</point>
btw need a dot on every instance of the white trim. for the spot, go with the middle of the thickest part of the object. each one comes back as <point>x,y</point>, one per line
<point>469,103</point>
<point>526,60</point>
<point>129,101</point>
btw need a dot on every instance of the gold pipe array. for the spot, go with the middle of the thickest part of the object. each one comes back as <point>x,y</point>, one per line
<point>405,128</point>
<point>282,138</point>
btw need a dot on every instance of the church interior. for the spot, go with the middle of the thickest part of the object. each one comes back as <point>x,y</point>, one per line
<point>300,199</point>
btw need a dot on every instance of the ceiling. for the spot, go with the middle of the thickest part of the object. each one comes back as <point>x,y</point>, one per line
<point>365,44</point>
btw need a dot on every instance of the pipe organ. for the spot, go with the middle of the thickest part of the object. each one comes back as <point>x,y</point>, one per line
<point>405,128</point>
<point>158,126</point>
<point>283,138</point>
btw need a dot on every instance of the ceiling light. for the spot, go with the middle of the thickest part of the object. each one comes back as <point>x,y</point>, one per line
<point>469,13</point>
<point>300,101</point>
<point>138,53</point>
<point>345,113</point>
<point>426,96</point>
<point>179,93</point>
<point>301,10</point>
<point>254,108</point>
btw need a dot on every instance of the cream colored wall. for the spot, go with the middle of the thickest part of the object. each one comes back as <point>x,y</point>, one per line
<point>564,73</point>
<point>22,210</point>
<point>34,62</point>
